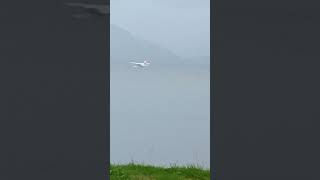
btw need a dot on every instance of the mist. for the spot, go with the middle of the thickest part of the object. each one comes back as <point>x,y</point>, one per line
<point>182,26</point>
<point>160,115</point>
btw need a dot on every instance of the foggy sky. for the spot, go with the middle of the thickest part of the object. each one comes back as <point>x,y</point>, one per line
<point>159,115</point>
<point>183,26</point>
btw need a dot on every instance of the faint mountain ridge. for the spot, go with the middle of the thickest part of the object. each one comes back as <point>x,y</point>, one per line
<point>125,47</point>
<point>197,62</point>
<point>203,60</point>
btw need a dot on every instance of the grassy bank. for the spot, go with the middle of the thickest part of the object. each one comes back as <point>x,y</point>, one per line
<point>145,172</point>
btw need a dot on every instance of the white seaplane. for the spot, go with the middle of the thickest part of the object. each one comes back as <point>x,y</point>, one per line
<point>140,64</point>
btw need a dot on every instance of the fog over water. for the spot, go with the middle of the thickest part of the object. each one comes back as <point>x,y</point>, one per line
<point>161,114</point>
<point>183,26</point>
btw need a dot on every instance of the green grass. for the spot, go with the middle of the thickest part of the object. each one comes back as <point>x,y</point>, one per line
<point>146,172</point>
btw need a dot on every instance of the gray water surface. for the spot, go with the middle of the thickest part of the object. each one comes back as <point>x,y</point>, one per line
<point>159,115</point>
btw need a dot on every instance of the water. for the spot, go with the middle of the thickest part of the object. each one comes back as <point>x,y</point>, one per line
<point>160,115</point>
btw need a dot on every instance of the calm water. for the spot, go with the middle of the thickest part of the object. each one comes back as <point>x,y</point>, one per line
<point>160,115</point>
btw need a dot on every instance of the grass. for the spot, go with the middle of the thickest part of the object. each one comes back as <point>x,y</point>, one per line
<point>134,171</point>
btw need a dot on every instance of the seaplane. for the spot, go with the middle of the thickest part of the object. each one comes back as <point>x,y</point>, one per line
<point>140,64</point>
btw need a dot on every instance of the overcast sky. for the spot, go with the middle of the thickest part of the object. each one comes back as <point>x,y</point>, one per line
<point>183,26</point>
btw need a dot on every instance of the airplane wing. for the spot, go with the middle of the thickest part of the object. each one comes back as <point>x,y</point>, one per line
<point>140,65</point>
<point>135,64</point>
